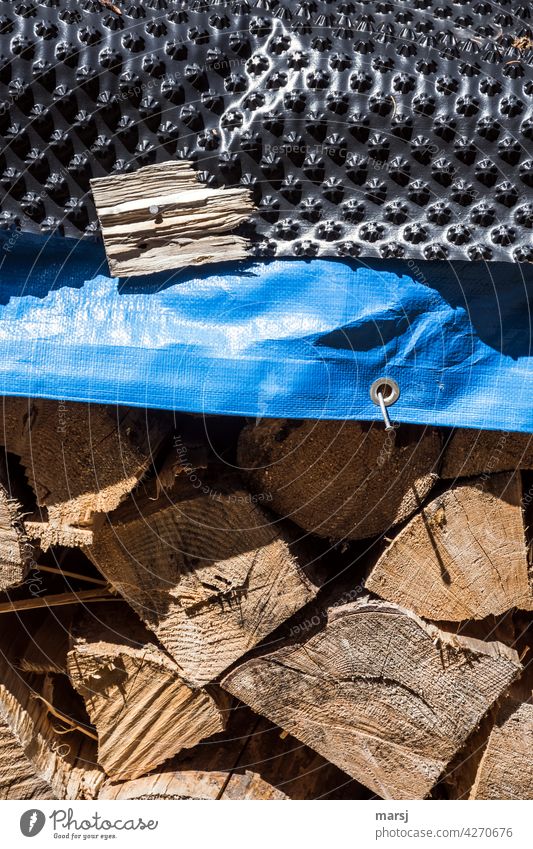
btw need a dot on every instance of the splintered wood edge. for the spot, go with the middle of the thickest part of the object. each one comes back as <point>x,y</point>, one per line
<point>16,551</point>
<point>108,191</point>
<point>49,534</point>
<point>159,218</point>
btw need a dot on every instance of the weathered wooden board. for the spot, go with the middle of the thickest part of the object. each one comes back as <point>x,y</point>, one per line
<point>159,217</point>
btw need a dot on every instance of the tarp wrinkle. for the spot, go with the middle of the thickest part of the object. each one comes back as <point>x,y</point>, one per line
<point>283,338</point>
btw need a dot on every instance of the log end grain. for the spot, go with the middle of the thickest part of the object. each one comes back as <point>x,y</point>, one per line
<point>471,452</point>
<point>210,575</point>
<point>384,696</point>
<point>344,480</point>
<point>463,556</point>
<point>506,768</point>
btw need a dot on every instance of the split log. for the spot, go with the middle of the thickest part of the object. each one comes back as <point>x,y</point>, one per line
<point>48,534</point>
<point>48,644</point>
<point>210,575</point>
<point>65,763</point>
<point>18,776</point>
<point>463,556</point>
<point>80,459</point>
<point>160,217</point>
<point>251,760</point>
<point>506,768</point>
<point>457,781</point>
<point>282,762</point>
<point>387,697</point>
<point>522,641</point>
<point>198,773</point>
<point>474,452</point>
<point>16,551</point>
<point>340,479</point>
<point>142,710</point>
<point>193,784</point>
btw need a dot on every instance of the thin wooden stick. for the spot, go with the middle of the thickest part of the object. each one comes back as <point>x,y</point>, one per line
<point>56,600</point>
<point>69,574</point>
<point>74,726</point>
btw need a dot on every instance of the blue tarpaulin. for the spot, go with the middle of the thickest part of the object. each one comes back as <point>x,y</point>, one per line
<point>287,338</point>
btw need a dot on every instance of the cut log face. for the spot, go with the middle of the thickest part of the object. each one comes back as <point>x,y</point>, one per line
<point>16,551</point>
<point>18,776</point>
<point>211,575</point>
<point>462,557</point>
<point>345,480</point>
<point>385,696</point>
<point>80,459</point>
<point>506,768</point>
<point>142,710</point>
<point>473,452</point>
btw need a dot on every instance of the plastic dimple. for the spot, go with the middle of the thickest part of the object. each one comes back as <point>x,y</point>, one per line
<point>361,128</point>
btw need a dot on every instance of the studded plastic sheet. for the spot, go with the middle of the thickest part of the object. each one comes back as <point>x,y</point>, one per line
<point>288,338</point>
<point>387,129</point>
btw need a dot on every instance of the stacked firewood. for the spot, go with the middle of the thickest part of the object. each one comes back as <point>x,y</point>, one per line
<point>209,608</point>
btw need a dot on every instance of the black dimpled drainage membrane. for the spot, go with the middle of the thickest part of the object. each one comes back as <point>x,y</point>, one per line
<point>389,129</point>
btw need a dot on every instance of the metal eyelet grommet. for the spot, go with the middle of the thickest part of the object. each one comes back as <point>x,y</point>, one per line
<point>387,388</point>
<point>384,392</point>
